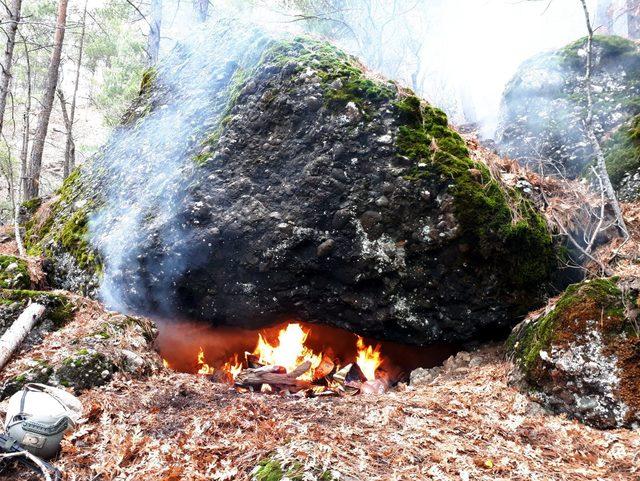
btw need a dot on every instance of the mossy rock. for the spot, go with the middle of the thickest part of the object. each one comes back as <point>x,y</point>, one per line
<point>583,356</point>
<point>622,153</point>
<point>289,146</point>
<point>84,370</point>
<point>59,308</point>
<point>14,273</point>
<point>41,373</point>
<point>545,104</point>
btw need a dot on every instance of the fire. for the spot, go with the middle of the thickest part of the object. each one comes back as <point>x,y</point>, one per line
<point>368,359</point>
<point>203,367</point>
<point>289,352</point>
<point>166,364</point>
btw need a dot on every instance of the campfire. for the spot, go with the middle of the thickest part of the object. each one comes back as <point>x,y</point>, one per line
<point>294,358</point>
<point>288,365</point>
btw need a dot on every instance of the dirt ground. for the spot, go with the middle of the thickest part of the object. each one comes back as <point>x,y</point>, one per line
<point>468,424</point>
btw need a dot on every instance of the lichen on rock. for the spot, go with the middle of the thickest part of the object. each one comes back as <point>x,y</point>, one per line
<point>582,355</point>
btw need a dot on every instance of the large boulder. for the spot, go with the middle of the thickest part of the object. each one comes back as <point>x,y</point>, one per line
<point>582,355</point>
<point>260,179</point>
<point>544,105</point>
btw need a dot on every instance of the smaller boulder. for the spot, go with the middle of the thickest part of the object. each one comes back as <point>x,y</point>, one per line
<point>581,356</point>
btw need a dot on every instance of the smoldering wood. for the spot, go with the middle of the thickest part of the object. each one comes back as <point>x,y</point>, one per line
<point>14,336</point>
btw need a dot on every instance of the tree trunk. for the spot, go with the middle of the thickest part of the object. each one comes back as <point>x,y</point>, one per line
<point>601,166</point>
<point>201,8</point>
<point>5,80</point>
<point>32,182</point>
<point>24,150</point>
<point>14,336</point>
<point>70,146</point>
<point>153,48</point>
<point>633,18</point>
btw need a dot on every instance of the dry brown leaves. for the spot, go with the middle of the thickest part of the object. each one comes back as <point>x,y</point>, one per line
<point>466,425</point>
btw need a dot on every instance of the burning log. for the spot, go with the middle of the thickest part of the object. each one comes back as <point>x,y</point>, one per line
<point>275,376</point>
<point>324,369</point>
<point>252,360</point>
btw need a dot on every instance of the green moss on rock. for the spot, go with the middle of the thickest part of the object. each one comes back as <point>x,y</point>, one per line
<point>623,151</point>
<point>63,225</point>
<point>582,356</point>
<point>14,273</point>
<point>503,226</point>
<point>85,369</point>
<point>40,373</point>
<point>59,308</point>
<point>579,303</point>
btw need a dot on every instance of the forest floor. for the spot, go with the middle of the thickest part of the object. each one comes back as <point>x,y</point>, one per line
<point>468,424</point>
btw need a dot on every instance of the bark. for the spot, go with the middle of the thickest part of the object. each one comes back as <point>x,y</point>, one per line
<point>32,181</point>
<point>5,80</point>
<point>153,49</point>
<point>14,336</point>
<point>201,8</point>
<point>70,147</point>
<point>601,166</point>
<point>24,151</point>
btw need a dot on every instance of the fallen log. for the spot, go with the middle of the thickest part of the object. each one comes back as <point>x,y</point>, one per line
<point>274,376</point>
<point>14,336</point>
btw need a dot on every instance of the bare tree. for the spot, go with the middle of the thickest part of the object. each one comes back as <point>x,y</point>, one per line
<point>201,9</point>
<point>32,182</point>
<point>5,78</point>
<point>601,167</point>
<point>153,48</point>
<point>69,119</point>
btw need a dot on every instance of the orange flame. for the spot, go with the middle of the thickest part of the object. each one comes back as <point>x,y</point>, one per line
<point>368,359</point>
<point>166,364</point>
<point>203,367</point>
<point>290,350</point>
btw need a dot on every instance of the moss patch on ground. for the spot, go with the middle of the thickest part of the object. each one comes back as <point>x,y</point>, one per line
<point>271,469</point>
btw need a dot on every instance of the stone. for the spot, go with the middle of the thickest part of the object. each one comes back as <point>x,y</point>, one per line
<point>582,356</point>
<point>542,110</point>
<point>203,227</point>
<point>325,248</point>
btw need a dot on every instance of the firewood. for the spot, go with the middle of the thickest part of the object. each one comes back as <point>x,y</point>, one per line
<point>14,336</point>
<point>324,369</point>
<point>275,377</point>
<point>349,374</point>
<point>252,360</point>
